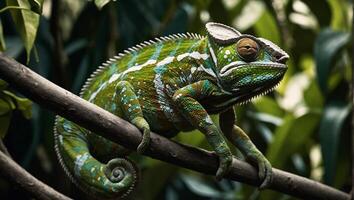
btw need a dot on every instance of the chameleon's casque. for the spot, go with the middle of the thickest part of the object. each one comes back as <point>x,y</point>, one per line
<point>168,85</point>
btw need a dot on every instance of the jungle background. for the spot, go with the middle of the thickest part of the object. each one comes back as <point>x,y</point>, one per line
<point>303,127</point>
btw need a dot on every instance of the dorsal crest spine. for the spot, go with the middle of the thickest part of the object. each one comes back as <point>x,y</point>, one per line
<point>135,48</point>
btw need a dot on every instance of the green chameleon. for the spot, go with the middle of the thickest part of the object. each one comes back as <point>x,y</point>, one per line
<point>168,85</point>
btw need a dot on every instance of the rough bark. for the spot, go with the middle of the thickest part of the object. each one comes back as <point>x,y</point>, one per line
<point>112,127</point>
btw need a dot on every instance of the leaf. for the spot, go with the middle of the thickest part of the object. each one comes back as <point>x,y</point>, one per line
<point>22,104</point>
<point>290,137</point>
<point>26,23</point>
<point>266,27</point>
<point>2,39</point>
<point>268,105</point>
<point>334,115</point>
<point>327,45</point>
<point>101,3</point>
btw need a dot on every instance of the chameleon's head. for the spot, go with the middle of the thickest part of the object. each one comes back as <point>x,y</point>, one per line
<point>245,65</point>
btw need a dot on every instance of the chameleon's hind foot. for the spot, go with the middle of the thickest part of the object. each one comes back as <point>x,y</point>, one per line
<point>142,124</point>
<point>225,161</point>
<point>265,172</point>
<point>144,142</point>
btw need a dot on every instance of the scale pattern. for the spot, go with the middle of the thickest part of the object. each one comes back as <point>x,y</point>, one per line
<point>167,85</point>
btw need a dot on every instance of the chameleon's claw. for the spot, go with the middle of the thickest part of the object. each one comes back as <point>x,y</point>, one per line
<point>265,172</point>
<point>225,162</point>
<point>144,142</point>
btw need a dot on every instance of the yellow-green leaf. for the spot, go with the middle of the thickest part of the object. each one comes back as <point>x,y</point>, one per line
<point>22,104</point>
<point>2,40</point>
<point>26,23</point>
<point>101,3</point>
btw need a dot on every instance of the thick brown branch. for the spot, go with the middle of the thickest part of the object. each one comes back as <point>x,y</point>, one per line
<point>110,126</point>
<point>19,176</point>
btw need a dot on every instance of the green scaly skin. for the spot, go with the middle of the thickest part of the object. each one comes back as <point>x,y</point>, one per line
<point>169,85</point>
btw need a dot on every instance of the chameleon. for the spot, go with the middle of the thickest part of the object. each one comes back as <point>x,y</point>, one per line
<point>168,85</point>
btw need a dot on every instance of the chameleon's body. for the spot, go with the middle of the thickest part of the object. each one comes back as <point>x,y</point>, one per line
<point>170,85</point>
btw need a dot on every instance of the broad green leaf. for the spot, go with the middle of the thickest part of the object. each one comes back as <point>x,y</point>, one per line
<point>327,45</point>
<point>313,96</point>
<point>101,3</point>
<point>26,23</point>
<point>332,121</point>
<point>266,27</point>
<point>268,105</point>
<point>2,40</point>
<point>290,137</point>
<point>339,20</point>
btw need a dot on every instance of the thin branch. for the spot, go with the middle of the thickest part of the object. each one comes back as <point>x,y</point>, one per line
<point>19,176</point>
<point>113,128</point>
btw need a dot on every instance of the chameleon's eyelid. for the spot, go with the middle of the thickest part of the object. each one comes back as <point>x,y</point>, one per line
<point>259,42</point>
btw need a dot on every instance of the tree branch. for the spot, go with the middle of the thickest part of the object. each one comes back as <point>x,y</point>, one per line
<point>113,128</point>
<point>16,174</point>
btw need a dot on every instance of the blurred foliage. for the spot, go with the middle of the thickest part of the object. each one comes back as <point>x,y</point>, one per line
<point>303,127</point>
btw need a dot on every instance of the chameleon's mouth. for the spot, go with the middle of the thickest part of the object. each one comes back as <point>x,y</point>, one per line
<point>227,69</point>
<point>246,94</point>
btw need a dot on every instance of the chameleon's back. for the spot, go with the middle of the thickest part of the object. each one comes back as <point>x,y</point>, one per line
<point>83,154</point>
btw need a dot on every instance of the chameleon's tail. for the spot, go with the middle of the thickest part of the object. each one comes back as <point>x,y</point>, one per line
<point>116,179</point>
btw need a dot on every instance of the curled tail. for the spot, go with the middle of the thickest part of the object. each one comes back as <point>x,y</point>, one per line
<point>116,179</point>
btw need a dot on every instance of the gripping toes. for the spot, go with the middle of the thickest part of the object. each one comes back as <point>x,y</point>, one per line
<point>265,172</point>
<point>142,124</point>
<point>225,161</point>
<point>145,141</point>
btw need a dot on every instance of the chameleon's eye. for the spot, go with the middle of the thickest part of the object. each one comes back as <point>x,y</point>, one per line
<point>247,49</point>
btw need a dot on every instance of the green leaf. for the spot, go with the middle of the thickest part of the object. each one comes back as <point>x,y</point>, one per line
<point>101,3</point>
<point>290,137</point>
<point>268,105</point>
<point>22,104</point>
<point>327,45</point>
<point>332,121</point>
<point>2,39</point>
<point>26,23</point>
<point>266,27</point>
<point>313,96</point>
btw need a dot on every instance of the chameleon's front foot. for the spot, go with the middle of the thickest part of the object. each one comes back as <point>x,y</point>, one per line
<point>265,172</point>
<point>142,124</point>
<point>225,161</point>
